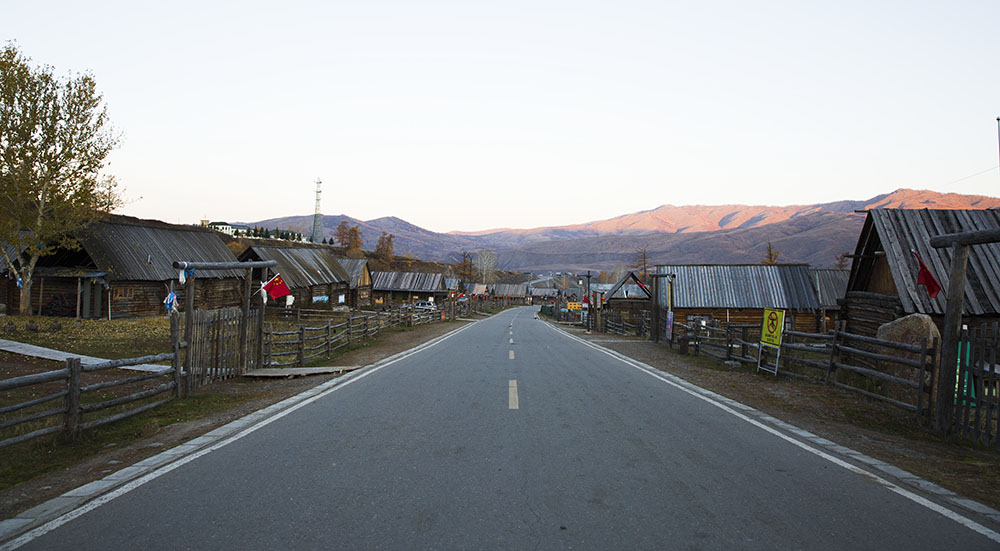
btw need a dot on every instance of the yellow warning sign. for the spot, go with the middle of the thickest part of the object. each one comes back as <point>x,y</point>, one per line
<point>770,331</point>
<point>574,305</point>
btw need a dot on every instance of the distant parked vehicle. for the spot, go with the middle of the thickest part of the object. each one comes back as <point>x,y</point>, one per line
<point>424,305</point>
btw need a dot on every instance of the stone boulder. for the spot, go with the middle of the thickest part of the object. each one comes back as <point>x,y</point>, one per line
<point>909,329</point>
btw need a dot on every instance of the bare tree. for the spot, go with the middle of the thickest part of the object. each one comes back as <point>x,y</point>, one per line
<point>641,263</point>
<point>619,273</point>
<point>842,261</point>
<point>486,265</point>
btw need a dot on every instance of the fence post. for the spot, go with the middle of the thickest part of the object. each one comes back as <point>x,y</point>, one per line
<point>366,327</point>
<point>188,328</point>
<point>833,353</point>
<point>245,321</point>
<point>328,339</point>
<point>302,345</point>
<point>175,347</point>
<point>72,422</point>
<point>729,343</point>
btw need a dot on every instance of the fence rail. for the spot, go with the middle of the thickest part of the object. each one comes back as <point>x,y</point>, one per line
<point>310,342</point>
<point>35,421</point>
<point>897,373</point>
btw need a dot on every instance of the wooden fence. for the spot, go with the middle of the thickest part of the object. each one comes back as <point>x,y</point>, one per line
<point>977,385</point>
<point>85,395</point>
<point>897,373</point>
<point>296,347</point>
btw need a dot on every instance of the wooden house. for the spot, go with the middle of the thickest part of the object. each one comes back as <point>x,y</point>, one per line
<point>361,281</point>
<point>510,293</point>
<point>628,297</point>
<point>124,268</point>
<point>735,294</point>
<point>313,274</point>
<point>883,286</point>
<point>542,295</point>
<point>478,290</point>
<point>831,286</point>
<point>396,288</point>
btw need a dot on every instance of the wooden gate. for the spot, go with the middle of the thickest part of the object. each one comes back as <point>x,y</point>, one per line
<point>215,352</point>
<point>977,385</point>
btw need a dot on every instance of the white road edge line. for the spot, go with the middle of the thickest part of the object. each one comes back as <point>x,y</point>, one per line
<point>683,385</point>
<point>101,500</point>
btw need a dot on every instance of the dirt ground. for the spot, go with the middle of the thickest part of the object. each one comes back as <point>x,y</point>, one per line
<point>871,427</point>
<point>258,394</point>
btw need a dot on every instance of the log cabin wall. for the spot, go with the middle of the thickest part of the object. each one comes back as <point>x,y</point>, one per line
<point>802,320</point>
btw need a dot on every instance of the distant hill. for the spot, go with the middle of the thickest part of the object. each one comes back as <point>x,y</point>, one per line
<point>708,218</point>
<point>813,234</point>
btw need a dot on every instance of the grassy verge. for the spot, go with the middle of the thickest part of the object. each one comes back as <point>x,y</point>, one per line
<point>113,340</point>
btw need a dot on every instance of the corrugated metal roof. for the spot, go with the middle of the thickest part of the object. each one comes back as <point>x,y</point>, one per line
<point>452,283</point>
<point>301,267</point>
<point>740,286</point>
<point>897,231</point>
<point>407,281</point>
<point>543,291</point>
<point>477,289</point>
<point>355,268</point>
<point>509,289</point>
<point>144,250</point>
<point>830,284</point>
<point>625,290</point>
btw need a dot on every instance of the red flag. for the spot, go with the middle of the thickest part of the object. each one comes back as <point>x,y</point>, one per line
<point>926,278</point>
<point>276,287</point>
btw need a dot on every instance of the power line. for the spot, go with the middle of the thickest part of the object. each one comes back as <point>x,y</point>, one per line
<point>992,168</point>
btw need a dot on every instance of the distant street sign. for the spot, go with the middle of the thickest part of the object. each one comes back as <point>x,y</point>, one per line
<point>574,305</point>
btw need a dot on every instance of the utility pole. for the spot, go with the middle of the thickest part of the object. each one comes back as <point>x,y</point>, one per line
<point>590,305</point>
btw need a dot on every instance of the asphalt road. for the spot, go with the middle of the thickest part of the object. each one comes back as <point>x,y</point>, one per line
<point>481,443</point>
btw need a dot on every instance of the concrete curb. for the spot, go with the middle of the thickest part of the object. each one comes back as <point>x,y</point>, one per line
<point>37,516</point>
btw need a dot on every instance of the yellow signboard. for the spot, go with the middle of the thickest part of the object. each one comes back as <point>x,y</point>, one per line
<point>574,305</point>
<point>770,331</point>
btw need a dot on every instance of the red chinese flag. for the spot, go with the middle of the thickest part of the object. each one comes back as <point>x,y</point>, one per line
<point>926,278</point>
<point>276,288</point>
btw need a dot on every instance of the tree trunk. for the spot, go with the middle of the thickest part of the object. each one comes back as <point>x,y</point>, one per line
<point>25,308</point>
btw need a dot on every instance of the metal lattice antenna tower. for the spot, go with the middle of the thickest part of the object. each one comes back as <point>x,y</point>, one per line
<point>317,231</point>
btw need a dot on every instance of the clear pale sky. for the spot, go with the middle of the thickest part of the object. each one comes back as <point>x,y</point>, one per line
<point>471,115</point>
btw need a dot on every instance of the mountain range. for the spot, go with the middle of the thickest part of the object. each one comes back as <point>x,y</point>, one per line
<point>693,234</point>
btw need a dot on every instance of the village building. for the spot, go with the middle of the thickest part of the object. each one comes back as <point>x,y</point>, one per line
<point>124,268</point>
<point>736,294</point>
<point>542,295</point>
<point>361,281</point>
<point>313,274</point>
<point>831,286</point>
<point>510,293</point>
<point>882,286</point>
<point>628,298</point>
<point>477,290</point>
<point>391,289</point>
